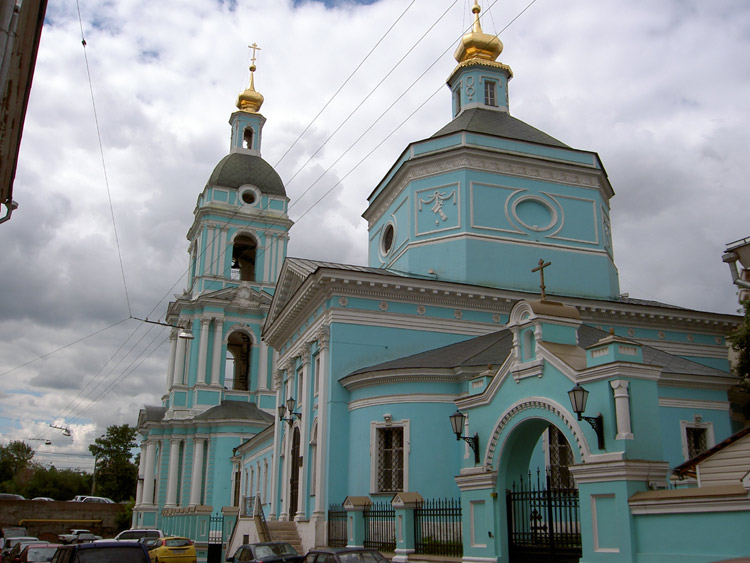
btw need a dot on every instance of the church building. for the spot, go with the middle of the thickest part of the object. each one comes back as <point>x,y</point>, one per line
<point>485,339</point>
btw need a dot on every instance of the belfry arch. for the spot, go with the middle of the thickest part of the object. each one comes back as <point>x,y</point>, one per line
<point>237,375</point>
<point>244,254</point>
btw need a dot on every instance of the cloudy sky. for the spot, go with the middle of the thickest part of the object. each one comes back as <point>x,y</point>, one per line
<point>659,88</point>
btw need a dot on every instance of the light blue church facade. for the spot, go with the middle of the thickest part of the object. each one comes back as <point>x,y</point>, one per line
<point>491,290</point>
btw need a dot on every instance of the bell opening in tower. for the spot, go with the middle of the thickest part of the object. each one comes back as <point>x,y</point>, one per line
<point>237,369</point>
<point>243,258</point>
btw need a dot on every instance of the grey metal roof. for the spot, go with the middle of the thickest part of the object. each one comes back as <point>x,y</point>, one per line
<point>237,169</point>
<point>153,413</point>
<point>494,348</point>
<point>310,266</point>
<point>236,410</point>
<point>499,124</point>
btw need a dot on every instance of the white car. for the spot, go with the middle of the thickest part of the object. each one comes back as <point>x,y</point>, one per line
<point>139,534</point>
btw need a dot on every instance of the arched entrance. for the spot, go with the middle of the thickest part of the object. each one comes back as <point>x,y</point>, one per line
<point>540,512</point>
<point>294,475</point>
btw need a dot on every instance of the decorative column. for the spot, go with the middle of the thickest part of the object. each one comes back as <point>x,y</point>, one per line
<point>141,472</point>
<point>172,351</point>
<point>174,465</point>
<point>216,360</point>
<point>148,473</point>
<point>306,402</point>
<point>203,351</point>
<point>622,409</point>
<point>197,476</point>
<point>275,489</point>
<point>179,363</point>
<point>263,366</point>
<point>320,471</point>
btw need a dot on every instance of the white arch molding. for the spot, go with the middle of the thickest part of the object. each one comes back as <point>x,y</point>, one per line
<point>543,403</point>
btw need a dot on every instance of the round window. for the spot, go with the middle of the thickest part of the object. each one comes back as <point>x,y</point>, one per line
<point>248,196</point>
<point>387,239</point>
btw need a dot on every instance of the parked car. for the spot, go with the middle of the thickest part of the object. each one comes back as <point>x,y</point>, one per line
<point>98,499</point>
<point>43,498</point>
<point>344,555</point>
<point>102,552</point>
<point>14,546</point>
<point>11,496</point>
<point>170,550</point>
<point>34,553</point>
<point>78,536</point>
<point>10,532</point>
<point>136,534</point>
<point>266,552</point>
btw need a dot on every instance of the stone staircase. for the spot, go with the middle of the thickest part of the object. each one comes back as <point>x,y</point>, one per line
<point>285,531</point>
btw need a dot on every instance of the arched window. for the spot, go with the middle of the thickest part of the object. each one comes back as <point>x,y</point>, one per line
<point>243,258</point>
<point>247,138</point>
<point>237,372</point>
<point>528,345</point>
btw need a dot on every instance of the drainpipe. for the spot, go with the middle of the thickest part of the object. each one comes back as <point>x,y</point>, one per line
<point>731,258</point>
<point>10,207</point>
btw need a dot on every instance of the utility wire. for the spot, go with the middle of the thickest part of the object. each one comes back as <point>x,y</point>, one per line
<point>104,165</point>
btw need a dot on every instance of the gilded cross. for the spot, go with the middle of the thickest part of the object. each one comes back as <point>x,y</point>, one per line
<point>255,48</point>
<point>540,268</point>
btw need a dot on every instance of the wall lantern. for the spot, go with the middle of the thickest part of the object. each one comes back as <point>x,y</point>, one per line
<point>578,397</point>
<point>290,404</point>
<point>457,424</point>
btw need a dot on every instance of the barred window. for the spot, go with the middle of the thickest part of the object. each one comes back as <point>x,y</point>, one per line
<point>390,455</point>
<point>560,460</point>
<point>697,441</point>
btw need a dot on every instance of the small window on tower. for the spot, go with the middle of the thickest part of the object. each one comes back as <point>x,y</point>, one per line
<point>490,93</point>
<point>247,138</point>
<point>387,240</point>
<point>457,101</point>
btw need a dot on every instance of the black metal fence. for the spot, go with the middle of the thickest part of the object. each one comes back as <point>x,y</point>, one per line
<point>337,526</point>
<point>380,527</point>
<point>543,521</point>
<point>437,528</point>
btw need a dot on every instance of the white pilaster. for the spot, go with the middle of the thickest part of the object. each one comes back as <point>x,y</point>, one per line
<point>148,473</point>
<point>172,351</point>
<point>197,476</point>
<point>141,473</point>
<point>622,409</point>
<point>320,482</point>
<point>174,466</point>
<point>179,363</point>
<point>216,360</point>
<point>304,443</point>
<point>203,351</point>
<point>263,366</point>
<point>275,491</point>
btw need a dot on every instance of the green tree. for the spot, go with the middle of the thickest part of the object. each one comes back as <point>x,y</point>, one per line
<point>59,484</point>
<point>115,473</point>
<point>740,341</point>
<point>14,459</point>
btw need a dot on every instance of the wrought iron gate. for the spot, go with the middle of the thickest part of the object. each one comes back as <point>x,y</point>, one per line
<point>543,522</point>
<point>215,539</point>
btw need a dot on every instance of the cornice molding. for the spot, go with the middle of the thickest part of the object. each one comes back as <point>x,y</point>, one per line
<point>400,399</point>
<point>622,470</point>
<point>694,404</point>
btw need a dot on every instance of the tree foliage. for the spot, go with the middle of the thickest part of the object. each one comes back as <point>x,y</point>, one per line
<point>59,484</point>
<point>116,475</point>
<point>15,458</point>
<point>740,341</point>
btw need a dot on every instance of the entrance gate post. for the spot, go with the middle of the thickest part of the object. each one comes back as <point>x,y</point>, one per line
<point>355,520</point>
<point>404,505</point>
<point>480,520</point>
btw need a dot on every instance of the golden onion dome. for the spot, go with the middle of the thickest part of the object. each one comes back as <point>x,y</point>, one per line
<point>477,44</point>
<point>250,100</point>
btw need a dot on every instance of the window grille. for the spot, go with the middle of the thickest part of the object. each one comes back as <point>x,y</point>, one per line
<point>390,443</point>
<point>697,441</point>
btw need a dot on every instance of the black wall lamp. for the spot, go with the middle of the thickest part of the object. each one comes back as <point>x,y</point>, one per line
<point>290,404</point>
<point>578,397</point>
<point>457,423</point>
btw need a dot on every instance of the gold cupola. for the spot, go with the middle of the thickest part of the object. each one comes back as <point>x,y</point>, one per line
<point>250,100</point>
<point>477,44</point>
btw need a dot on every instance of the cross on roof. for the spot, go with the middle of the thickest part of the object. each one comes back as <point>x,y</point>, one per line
<point>255,48</point>
<point>540,269</point>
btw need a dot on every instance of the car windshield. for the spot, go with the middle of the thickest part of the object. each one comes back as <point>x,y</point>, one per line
<point>111,554</point>
<point>274,549</point>
<point>41,553</point>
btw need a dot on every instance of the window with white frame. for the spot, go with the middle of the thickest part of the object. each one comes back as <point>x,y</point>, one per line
<point>389,466</point>
<point>265,481</point>
<point>697,436</point>
<point>300,388</point>
<point>490,93</point>
<point>313,457</point>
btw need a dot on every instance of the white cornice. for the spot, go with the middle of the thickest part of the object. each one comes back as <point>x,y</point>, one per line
<point>624,470</point>
<point>694,404</point>
<point>400,399</point>
<point>476,478</point>
<point>421,375</point>
<point>691,501</point>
